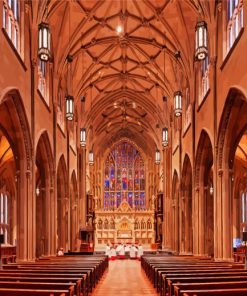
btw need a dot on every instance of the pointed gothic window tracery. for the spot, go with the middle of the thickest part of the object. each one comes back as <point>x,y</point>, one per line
<point>11,21</point>
<point>235,21</point>
<point>124,177</point>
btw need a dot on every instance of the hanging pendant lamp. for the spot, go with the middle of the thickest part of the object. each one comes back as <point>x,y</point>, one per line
<point>201,42</point>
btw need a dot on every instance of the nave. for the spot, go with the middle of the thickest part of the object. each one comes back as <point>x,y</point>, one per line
<point>124,277</point>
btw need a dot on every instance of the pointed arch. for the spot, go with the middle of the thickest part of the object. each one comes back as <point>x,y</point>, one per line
<point>232,166</point>
<point>44,174</point>
<point>15,127</point>
<point>62,204</point>
<point>74,215</point>
<point>204,200</point>
<point>186,207</point>
<point>233,119</point>
<point>175,212</point>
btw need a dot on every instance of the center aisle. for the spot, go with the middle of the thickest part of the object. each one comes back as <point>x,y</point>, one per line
<point>124,277</point>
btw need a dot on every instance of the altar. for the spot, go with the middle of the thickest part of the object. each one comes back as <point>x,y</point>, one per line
<point>124,225</point>
<point>123,213</point>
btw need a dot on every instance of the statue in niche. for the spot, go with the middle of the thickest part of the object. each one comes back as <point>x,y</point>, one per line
<point>90,222</point>
<point>152,202</point>
<point>97,203</point>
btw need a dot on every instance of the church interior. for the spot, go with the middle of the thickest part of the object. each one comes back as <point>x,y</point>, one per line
<point>124,122</point>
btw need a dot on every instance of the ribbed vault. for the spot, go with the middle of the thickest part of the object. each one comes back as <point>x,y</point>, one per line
<point>127,55</point>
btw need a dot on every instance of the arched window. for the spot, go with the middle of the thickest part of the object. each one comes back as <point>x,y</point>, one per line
<point>11,21</point>
<point>112,224</point>
<point>235,21</point>
<point>143,224</point>
<point>124,177</point>
<point>43,80</point>
<point>100,224</point>
<point>149,224</point>
<point>137,226</point>
<point>187,98</point>
<point>244,207</point>
<point>4,215</point>
<point>204,79</point>
<point>106,224</point>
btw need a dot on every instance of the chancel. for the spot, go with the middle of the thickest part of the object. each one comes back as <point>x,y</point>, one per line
<point>123,147</point>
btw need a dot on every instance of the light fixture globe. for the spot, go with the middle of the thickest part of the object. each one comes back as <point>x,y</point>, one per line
<point>69,107</point>
<point>91,158</point>
<point>178,103</point>
<point>44,42</point>
<point>83,137</point>
<point>211,189</point>
<point>201,42</point>
<point>165,137</point>
<point>157,156</point>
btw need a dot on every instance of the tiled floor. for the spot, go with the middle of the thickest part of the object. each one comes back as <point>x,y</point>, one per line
<point>124,277</point>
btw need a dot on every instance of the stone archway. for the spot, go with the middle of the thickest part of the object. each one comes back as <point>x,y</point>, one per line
<point>175,213</point>
<point>14,126</point>
<point>74,224</point>
<point>62,205</point>
<point>232,166</point>
<point>186,208</point>
<point>44,197</point>
<point>204,197</point>
<point>7,190</point>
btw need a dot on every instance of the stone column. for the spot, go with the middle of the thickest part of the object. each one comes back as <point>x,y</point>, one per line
<point>227,216</point>
<point>195,222</point>
<point>202,220</point>
<point>177,209</point>
<point>182,224</point>
<point>218,251</point>
<point>82,187</point>
<point>31,221</point>
<point>53,223</point>
<point>21,214</point>
<point>167,203</point>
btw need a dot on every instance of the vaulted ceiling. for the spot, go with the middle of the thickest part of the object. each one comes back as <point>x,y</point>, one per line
<point>127,55</point>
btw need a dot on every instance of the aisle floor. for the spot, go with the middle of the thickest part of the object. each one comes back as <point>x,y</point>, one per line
<point>124,277</point>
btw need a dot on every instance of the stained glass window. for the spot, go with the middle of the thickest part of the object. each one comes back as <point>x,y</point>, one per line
<point>235,21</point>
<point>11,21</point>
<point>4,214</point>
<point>124,177</point>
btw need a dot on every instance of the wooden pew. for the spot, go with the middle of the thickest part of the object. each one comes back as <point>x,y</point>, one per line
<point>95,276</point>
<point>167,271</point>
<point>193,275</point>
<point>174,280</point>
<point>85,286</point>
<point>216,292</point>
<point>208,285</point>
<point>83,272</point>
<point>157,276</point>
<point>40,286</point>
<point>48,280</point>
<point>79,272</point>
<point>31,292</point>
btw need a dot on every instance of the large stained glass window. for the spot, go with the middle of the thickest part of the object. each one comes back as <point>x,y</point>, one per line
<point>124,177</point>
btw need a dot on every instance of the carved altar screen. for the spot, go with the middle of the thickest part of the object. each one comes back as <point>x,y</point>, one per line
<point>124,177</point>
